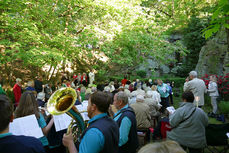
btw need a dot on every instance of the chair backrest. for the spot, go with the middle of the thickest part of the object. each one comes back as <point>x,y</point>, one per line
<point>165,126</point>
<point>216,134</point>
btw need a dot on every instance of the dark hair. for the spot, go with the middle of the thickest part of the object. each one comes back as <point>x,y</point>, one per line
<point>188,96</point>
<point>100,87</point>
<point>6,110</point>
<point>101,100</point>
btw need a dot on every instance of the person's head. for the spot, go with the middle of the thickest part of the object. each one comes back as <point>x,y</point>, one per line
<point>213,78</point>
<point>30,83</point>
<point>120,100</point>
<point>18,81</point>
<point>154,87</point>
<point>138,86</point>
<point>107,89</point>
<point>93,89</point>
<point>83,89</point>
<point>162,147</point>
<point>88,91</point>
<point>149,94</point>
<point>27,105</point>
<point>192,75</point>
<point>98,102</point>
<point>125,77</point>
<point>159,82</point>
<point>140,98</point>
<point>6,112</point>
<point>126,86</point>
<point>188,96</point>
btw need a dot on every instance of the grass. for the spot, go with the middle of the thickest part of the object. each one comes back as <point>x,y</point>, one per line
<point>207,108</point>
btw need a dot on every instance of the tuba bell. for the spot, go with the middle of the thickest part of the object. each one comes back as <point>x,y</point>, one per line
<point>62,101</point>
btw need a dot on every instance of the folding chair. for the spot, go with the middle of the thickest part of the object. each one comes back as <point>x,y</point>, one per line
<point>217,140</point>
<point>143,133</point>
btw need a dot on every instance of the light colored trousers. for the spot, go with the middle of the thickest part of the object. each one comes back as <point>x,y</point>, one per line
<point>214,103</point>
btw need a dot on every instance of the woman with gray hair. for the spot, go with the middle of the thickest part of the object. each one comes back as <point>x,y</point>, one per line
<point>213,93</point>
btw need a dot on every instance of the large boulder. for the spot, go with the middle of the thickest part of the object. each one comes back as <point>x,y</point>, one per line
<point>213,57</point>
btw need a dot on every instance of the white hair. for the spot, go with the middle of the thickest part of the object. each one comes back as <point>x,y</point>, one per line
<point>18,80</point>
<point>193,73</point>
<point>107,89</point>
<point>30,83</point>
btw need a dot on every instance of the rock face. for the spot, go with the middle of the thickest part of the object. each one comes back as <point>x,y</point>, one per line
<point>213,57</point>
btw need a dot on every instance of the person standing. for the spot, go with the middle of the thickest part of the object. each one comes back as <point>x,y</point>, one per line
<point>38,84</point>
<point>91,77</point>
<point>188,125</point>
<point>197,87</point>
<point>124,81</point>
<point>125,117</point>
<point>17,91</point>
<point>102,133</point>
<point>163,89</point>
<point>213,93</point>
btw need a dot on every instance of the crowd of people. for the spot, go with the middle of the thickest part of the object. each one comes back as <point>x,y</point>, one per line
<point>117,112</point>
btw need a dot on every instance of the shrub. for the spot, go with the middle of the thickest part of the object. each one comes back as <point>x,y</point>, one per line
<point>141,73</point>
<point>10,94</point>
<point>224,107</point>
<point>223,85</point>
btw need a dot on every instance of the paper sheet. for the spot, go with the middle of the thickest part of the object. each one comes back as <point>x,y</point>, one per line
<point>61,122</point>
<point>82,107</point>
<point>27,126</point>
<point>171,109</point>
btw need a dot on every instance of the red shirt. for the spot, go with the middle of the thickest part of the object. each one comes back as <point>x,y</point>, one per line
<point>17,93</point>
<point>124,81</point>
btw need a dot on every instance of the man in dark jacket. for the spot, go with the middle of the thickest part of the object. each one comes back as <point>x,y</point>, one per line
<point>125,117</point>
<point>102,135</point>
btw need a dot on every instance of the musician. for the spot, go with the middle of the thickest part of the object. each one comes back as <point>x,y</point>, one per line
<point>102,134</point>
<point>125,117</point>
<point>10,143</point>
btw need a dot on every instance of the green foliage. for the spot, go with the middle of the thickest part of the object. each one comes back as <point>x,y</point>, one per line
<point>219,18</point>
<point>224,107</point>
<point>194,41</point>
<point>10,94</point>
<point>141,73</point>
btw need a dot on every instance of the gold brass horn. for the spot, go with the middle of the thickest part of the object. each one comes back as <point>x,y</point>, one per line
<point>62,101</point>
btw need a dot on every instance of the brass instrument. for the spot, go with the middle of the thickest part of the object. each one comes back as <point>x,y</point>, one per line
<point>62,101</point>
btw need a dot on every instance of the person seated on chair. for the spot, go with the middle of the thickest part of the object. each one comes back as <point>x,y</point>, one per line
<point>142,112</point>
<point>10,143</point>
<point>188,125</point>
<point>102,134</point>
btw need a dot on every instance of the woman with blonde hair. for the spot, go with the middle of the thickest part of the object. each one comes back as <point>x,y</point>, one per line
<point>213,93</point>
<point>155,95</point>
<point>162,147</point>
<point>28,106</point>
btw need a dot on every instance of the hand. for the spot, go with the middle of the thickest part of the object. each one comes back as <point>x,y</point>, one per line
<point>187,79</point>
<point>68,140</point>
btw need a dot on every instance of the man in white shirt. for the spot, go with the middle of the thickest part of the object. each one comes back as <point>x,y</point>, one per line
<point>197,87</point>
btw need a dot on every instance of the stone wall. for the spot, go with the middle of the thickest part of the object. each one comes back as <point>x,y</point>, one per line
<point>213,57</point>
